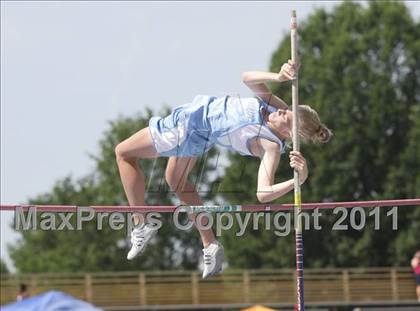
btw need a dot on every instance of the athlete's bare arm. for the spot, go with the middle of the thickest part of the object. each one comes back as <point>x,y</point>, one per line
<point>256,81</point>
<point>269,153</point>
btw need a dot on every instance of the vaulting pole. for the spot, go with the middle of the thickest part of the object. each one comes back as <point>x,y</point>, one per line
<point>298,202</point>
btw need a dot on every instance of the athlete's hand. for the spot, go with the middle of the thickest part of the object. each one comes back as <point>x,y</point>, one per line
<point>298,162</point>
<point>288,71</point>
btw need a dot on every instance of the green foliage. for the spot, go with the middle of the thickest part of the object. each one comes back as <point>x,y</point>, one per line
<point>3,267</point>
<point>361,72</point>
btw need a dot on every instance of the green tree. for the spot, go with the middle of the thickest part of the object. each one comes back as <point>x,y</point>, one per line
<point>93,250</point>
<point>3,267</point>
<point>361,72</point>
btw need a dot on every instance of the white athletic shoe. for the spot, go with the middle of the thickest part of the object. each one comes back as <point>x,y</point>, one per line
<point>140,237</point>
<point>213,259</point>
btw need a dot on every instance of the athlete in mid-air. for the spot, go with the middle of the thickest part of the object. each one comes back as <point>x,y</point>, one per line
<point>255,127</point>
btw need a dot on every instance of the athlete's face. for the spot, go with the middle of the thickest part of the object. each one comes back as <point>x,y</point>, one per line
<point>281,120</point>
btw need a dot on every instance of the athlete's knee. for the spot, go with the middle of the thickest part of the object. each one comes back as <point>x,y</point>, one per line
<point>121,153</point>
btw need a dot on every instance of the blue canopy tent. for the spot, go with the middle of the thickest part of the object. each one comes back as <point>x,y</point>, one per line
<point>50,301</point>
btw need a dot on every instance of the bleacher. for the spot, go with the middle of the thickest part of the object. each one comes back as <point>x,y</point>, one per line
<point>171,289</point>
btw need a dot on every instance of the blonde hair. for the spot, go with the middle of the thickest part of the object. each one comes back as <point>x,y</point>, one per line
<point>310,126</point>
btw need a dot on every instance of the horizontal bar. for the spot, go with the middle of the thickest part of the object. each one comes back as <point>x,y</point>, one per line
<point>214,208</point>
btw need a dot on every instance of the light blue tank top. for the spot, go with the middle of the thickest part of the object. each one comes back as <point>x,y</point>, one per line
<point>235,121</point>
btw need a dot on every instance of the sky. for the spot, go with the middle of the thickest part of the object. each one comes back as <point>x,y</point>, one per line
<point>68,68</point>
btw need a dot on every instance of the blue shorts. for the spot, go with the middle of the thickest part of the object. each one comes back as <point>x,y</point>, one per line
<point>185,132</point>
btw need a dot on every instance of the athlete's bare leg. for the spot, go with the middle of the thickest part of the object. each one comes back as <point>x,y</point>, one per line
<point>138,146</point>
<point>177,171</point>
